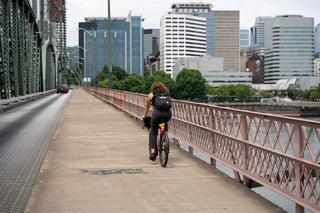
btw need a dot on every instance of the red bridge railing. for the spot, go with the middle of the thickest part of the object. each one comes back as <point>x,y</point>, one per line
<point>278,152</point>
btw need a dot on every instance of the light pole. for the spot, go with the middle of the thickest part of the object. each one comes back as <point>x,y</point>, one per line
<point>94,52</point>
<point>109,44</point>
<point>85,64</point>
<point>79,75</point>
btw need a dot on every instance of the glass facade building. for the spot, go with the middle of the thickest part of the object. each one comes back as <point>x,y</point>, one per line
<point>317,41</point>
<point>257,31</point>
<point>151,42</point>
<point>126,45</point>
<point>244,39</point>
<point>289,47</point>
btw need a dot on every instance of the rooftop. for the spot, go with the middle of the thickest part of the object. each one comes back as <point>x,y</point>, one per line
<point>97,19</point>
<point>192,5</point>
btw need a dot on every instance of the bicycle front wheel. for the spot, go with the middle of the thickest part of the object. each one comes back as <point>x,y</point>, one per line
<point>164,149</point>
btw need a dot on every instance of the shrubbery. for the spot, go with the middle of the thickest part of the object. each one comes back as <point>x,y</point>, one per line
<point>190,85</point>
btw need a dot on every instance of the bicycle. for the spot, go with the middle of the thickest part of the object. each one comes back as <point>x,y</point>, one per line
<point>163,142</point>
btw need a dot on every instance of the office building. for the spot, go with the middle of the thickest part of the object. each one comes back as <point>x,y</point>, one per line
<point>202,10</point>
<point>212,70</point>
<point>289,47</point>
<point>126,45</point>
<point>36,7</point>
<point>153,64</point>
<point>151,42</point>
<point>181,36</point>
<point>223,39</point>
<point>255,50</point>
<point>243,60</point>
<point>257,31</point>
<point>244,39</point>
<point>51,20</point>
<point>255,65</point>
<point>317,67</point>
<point>317,41</point>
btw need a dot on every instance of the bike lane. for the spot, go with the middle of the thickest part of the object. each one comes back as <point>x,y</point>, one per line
<point>98,161</point>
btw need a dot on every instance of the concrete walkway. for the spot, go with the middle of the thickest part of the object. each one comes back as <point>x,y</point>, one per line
<point>98,162</point>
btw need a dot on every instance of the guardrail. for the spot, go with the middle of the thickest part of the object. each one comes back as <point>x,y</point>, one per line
<point>21,98</point>
<point>280,153</point>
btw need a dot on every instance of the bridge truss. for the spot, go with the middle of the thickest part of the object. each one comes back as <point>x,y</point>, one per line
<point>21,67</point>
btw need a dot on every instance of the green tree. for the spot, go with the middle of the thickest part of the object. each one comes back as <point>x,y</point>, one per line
<point>232,90</point>
<point>266,94</point>
<point>71,80</point>
<point>163,78</point>
<point>306,94</point>
<point>210,89</point>
<point>316,93</point>
<point>105,83</point>
<point>243,92</point>
<point>222,91</point>
<point>146,71</point>
<point>118,74</point>
<point>190,84</point>
<point>290,93</point>
<point>133,83</point>
<point>104,74</point>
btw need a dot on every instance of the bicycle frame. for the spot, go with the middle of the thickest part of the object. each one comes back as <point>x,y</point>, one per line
<point>161,128</point>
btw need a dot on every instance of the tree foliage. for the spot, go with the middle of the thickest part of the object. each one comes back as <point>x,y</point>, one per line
<point>243,92</point>
<point>316,93</point>
<point>223,91</point>
<point>190,84</point>
<point>163,78</point>
<point>118,74</point>
<point>133,83</point>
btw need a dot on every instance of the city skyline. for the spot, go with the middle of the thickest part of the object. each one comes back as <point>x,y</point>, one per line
<point>77,10</point>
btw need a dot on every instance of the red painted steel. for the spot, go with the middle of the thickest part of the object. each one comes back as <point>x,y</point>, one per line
<point>281,153</point>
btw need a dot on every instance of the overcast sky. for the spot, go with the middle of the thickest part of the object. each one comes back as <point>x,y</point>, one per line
<point>152,10</point>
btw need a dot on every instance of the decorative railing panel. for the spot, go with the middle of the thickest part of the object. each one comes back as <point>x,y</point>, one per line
<point>281,153</point>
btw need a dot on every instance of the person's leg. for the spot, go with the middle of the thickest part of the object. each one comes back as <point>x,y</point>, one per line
<point>153,135</point>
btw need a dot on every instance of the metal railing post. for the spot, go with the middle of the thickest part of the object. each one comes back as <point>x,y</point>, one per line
<point>211,122</point>
<point>244,149</point>
<point>297,146</point>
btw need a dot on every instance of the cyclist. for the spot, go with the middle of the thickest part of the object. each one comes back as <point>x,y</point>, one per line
<point>157,117</point>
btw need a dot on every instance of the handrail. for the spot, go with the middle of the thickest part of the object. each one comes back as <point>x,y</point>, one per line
<point>281,153</point>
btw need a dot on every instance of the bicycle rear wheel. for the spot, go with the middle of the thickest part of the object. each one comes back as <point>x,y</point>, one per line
<point>164,149</point>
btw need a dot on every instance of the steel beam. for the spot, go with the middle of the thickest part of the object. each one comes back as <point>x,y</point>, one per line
<point>20,51</point>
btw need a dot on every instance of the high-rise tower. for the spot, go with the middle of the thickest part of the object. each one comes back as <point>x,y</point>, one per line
<point>289,47</point>
<point>223,31</point>
<point>181,36</point>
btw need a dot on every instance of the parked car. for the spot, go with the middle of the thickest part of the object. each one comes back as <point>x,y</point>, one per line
<point>63,88</point>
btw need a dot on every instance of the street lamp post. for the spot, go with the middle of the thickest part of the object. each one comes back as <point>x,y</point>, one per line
<point>109,44</point>
<point>79,74</point>
<point>85,64</point>
<point>94,60</point>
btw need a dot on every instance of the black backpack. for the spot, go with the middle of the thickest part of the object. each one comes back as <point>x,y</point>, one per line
<point>162,101</point>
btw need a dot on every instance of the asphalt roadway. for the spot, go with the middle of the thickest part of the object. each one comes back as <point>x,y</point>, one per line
<point>26,131</point>
<point>98,162</point>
